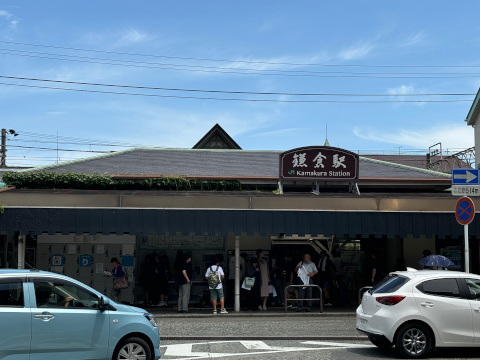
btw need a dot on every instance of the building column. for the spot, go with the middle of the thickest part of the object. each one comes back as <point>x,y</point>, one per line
<point>22,239</point>
<point>237,273</point>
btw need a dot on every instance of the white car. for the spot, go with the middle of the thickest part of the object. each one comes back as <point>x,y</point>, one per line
<point>421,310</point>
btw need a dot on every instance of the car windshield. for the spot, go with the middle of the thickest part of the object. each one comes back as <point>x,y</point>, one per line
<point>389,284</point>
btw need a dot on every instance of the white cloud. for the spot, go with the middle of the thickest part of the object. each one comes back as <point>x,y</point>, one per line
<point>401,90</point>
<point>451,136</point>
<point>413,40</point>
<point>133,36</point>
<point>357,51</point>
<point>10,18</point>
<point>119,38</point>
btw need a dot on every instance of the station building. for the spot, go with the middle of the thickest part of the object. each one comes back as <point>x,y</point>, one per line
<point>391,205</point>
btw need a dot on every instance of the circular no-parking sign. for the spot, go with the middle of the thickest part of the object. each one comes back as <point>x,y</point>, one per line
<point>464,211</point>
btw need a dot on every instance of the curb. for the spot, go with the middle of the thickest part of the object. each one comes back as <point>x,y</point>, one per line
<point>252,315</point>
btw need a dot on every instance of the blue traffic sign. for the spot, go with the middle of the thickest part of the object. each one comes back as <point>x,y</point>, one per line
<point>465,177</point>
<point>464,211</point>
<point>85,260</point>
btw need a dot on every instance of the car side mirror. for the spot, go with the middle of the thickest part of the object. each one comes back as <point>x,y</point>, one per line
<point>103,303</point>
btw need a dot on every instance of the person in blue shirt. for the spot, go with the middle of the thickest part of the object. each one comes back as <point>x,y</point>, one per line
<point>117,273</point>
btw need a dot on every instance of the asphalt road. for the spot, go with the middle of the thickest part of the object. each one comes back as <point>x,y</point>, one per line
<point>283,350</point>
<point>275,338</point>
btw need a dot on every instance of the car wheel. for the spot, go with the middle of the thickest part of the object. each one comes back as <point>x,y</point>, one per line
<point>381,343</point>
<point>132,348</point>
<point>414,340</point>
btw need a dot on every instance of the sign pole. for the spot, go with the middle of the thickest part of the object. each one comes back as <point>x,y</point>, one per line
<point>464,213</point>
<point>467,252</point>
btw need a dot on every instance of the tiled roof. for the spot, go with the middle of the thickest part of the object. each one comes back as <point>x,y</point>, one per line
<point>227,163</point>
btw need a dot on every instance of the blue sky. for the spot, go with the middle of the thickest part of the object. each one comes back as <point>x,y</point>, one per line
<point>342,33</point>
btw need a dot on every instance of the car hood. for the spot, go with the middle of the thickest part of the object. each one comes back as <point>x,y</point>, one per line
<point>128,308</point>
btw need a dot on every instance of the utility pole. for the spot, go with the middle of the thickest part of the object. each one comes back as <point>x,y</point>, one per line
<point>3,149</point>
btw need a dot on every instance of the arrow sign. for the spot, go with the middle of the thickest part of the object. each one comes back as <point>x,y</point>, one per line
<point>465,177</point>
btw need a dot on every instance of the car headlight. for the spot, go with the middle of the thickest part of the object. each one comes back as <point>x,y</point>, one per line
<point>151,318</point>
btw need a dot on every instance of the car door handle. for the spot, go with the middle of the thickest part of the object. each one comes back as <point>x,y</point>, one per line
<point>477,310</point>
<point>44,316</point>
<point>427,304</point>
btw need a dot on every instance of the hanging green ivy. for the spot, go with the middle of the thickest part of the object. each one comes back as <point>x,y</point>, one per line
<point>70,180</point>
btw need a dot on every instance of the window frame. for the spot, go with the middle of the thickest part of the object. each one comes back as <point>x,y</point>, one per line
<point>461,289</point>
<point>468,294</point>
<point>15,280</point>
<point>34,280</point>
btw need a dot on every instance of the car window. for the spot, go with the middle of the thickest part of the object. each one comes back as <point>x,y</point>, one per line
<point>11,294</point>
<point>57,294</point>
<point>474,288</point>
<point>390,284</point>
<point>440,287</point>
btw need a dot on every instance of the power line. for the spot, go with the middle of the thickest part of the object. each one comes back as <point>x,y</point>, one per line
<point>277,73</point>
<point>237,99</point>
<point>229,68</point>
<point>237,61</point>
<point>228,91</point>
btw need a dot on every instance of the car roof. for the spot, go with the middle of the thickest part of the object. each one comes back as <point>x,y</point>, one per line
<point>434,273</point>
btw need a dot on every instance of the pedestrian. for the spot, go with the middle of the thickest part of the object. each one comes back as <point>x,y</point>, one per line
<point>163,278</point>
<point>305,269</point>
<point>184,277</point>
<point>276,278</point>
<point>119,279</point>
<point>290,276</point>
<point>146,279</point>
<point>263,264</point>
<point>231,278</point>
<point>254,294</point>
<point>326,275</point>
<point>215,276</point>
<point>374,269</point>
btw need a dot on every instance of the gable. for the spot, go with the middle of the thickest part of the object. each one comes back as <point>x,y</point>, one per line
<point>217,138</point>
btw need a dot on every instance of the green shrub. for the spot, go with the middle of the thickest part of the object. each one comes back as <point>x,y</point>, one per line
<point>70,180</point>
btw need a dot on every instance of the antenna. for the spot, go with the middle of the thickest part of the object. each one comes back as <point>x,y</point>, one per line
<point>326,135</point>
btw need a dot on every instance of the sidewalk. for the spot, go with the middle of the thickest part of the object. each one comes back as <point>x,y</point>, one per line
<point>171,312</point>
<point>271,324</point>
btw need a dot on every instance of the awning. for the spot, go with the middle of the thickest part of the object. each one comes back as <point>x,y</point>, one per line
<point>200,221</point>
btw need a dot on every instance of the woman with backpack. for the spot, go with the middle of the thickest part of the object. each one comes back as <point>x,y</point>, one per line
<point>215,276</point>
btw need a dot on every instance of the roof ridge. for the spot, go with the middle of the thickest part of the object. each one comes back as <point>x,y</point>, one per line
<point>412,168</point>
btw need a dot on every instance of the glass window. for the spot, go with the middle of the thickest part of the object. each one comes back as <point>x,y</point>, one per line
<point>60,294</point>
<point>11,294</point>
<point>440,287</point>
<point>474,288</point>
<point>390,284</point>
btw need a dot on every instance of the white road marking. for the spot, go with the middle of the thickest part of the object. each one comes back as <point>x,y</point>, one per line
<point>185,351</point>
<point>336,344</point>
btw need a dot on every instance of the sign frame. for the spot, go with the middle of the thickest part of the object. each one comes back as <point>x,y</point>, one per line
<point>463,210</point>
<point>461,177</point>
<point>352,157</point>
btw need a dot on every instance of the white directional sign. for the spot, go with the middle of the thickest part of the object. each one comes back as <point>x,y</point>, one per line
<point>465,177</point>
<point>467,190</point>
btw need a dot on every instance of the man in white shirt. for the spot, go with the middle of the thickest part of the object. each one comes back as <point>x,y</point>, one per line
<point>305,269</point>
<point>215,276</point>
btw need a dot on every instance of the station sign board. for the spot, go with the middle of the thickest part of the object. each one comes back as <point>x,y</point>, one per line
<point>319,163</point>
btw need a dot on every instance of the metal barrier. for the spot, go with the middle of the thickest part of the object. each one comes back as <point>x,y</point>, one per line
<point>361,291</point>
<point>320,299</point>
